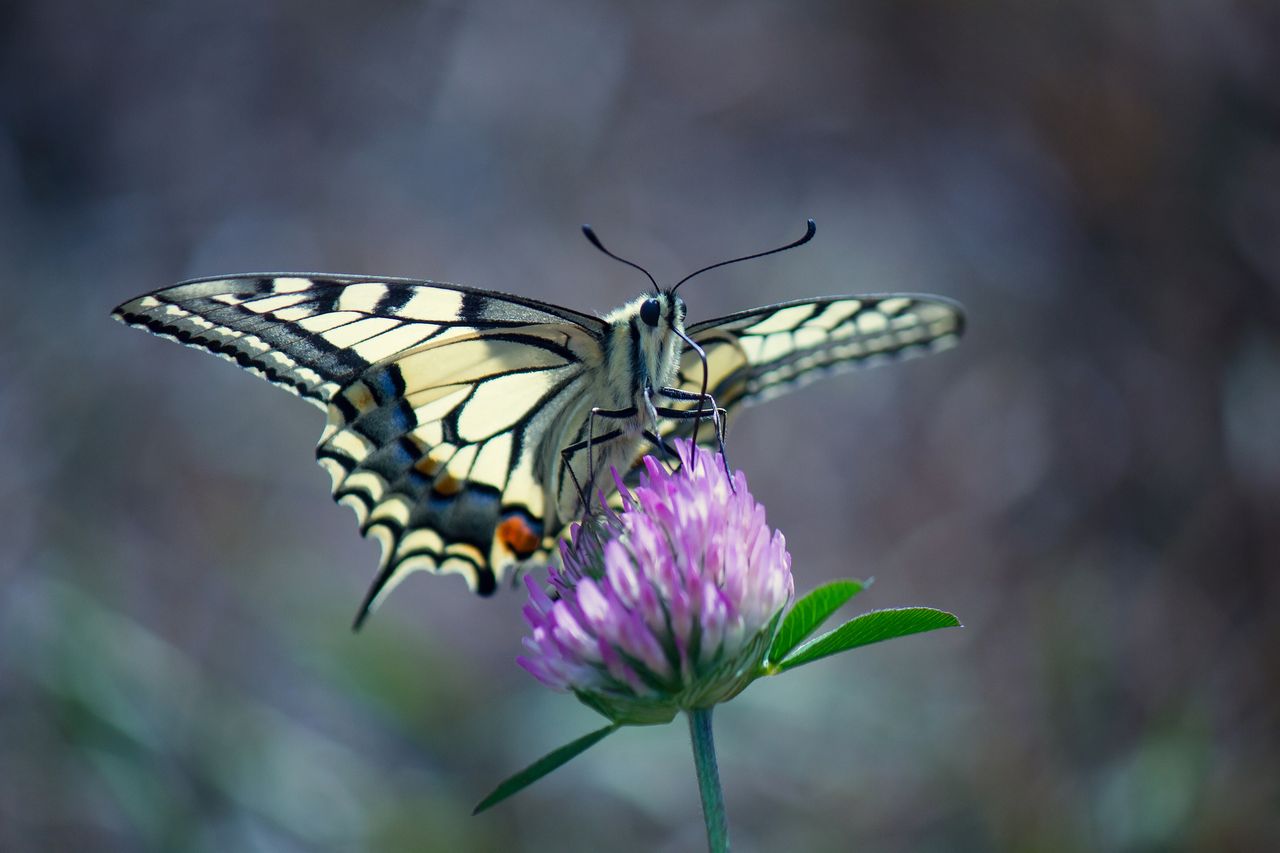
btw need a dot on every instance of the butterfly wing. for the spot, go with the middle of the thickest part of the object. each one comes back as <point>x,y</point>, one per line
<point>312,334</point>
<point>756,355</point>
<point>444,403</point>
<point>448,452</point>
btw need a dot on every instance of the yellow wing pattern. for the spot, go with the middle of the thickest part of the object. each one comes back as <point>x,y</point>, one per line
<point>442,402</point>
<point>444,451</point>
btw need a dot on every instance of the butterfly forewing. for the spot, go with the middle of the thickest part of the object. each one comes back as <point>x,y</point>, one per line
<point>756,355</point>
<point>313,334</point>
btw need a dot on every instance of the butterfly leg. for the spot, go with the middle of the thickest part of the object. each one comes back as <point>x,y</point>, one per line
<point>701,399</point>
<point>693,397</point>
<point>702,392</point>
<point>659,442</point>
<point>566,459</point>
<point>668,452</point>
<point>589,444</point>
<point>717,416</point>
<point>596,411</point>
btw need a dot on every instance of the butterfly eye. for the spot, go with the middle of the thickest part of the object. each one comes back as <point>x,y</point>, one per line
<point>650,311</point>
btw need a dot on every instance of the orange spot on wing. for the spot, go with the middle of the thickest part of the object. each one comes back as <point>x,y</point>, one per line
<point>519,538</point>
<point>446,485</point>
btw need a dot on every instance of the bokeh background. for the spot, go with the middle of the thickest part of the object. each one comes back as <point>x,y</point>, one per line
<point>1091,481</point>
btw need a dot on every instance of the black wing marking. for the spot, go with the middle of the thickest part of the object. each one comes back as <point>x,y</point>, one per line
<point>755,355</point>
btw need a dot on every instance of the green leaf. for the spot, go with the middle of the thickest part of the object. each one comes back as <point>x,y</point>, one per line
<point>811,611</point>
<point>542,767</point>
<point>870,628</point>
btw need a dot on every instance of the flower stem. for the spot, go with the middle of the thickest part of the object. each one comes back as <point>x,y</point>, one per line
<point>704,761</point>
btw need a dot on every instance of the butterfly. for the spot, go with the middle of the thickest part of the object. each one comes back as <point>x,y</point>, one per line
<point>467,427</point>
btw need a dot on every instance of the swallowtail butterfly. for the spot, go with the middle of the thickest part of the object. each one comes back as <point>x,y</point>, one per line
<point>460,426</point>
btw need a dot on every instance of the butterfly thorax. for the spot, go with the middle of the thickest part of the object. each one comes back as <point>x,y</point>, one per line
<point>639,353</point>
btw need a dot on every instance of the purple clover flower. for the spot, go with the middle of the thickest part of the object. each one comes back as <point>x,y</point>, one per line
<point>667,605</point>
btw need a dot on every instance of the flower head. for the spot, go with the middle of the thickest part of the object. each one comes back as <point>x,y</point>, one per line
<point>669,604</point>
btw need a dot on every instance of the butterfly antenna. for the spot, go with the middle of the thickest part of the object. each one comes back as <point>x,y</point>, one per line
<point>595,241</point>
<point>808,235</point>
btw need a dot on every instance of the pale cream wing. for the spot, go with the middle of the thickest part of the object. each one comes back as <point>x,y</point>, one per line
<point>312,334</point>
<point>756,355</point>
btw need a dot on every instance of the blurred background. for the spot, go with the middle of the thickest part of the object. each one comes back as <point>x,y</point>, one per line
<point>1090,481</point>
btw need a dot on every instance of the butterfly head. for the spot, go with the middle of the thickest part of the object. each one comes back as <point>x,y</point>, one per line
<point>661,314</point>
<point>662,306</point>
<point>647,335</point>
<point>652,318</point>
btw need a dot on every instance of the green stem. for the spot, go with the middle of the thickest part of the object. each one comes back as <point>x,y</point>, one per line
<point>704,761</point>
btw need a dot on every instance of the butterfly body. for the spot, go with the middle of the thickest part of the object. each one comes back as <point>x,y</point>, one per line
<point>464,427</point>
<point>640,361</point>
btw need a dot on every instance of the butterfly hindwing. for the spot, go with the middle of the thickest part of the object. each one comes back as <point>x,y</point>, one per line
<point>444,451</point>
